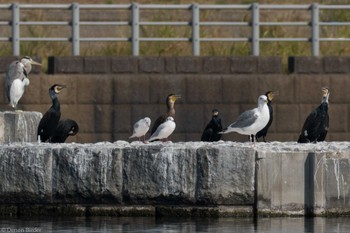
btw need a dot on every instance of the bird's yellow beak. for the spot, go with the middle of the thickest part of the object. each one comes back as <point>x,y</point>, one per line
<point>175,97</point>
<point>325,91</point>
<point>271,94</point>
<point>59,88</point>
<point>35,63</point>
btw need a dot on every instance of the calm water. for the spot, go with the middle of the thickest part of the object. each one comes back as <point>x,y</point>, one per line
<point>150,224</point>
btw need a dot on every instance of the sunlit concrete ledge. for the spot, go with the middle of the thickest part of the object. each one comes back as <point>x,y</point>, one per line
<point>181,178</point>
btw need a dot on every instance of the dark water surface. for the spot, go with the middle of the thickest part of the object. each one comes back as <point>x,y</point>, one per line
<point>151,224</point>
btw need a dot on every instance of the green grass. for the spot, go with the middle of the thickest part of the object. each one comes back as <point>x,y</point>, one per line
<point>284,49</point>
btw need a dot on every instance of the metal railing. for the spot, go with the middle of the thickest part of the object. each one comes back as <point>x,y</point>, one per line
<point>253,22</point>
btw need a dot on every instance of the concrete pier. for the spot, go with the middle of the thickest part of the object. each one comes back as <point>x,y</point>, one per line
<point>187,179</point>
<point>19,126</point>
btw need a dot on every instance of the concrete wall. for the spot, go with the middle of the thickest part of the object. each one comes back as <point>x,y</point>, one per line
<point>107,95</point>
<point>193,178</point>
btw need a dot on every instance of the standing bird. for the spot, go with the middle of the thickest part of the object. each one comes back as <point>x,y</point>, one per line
<point>317,123</point>
<point>164,130</point>
<point>48,124</point>
<point>64,129</point>
<point>263,132</point>
<point>17,79</point>
<point>251,121</point>
<point>141,127</point>
<point>170,103</point>
<point>212,129</point>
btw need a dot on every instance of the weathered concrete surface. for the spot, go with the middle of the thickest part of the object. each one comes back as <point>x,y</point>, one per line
<point>192,178</point>
<point>311,179</point>
<point>123,173</point>
<point>19,126</point>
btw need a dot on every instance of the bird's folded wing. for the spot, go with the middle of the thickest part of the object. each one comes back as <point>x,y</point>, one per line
<point>15,71</point>
<point>246,119</point>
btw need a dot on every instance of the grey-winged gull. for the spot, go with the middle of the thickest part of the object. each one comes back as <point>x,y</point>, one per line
<point>251,121</point>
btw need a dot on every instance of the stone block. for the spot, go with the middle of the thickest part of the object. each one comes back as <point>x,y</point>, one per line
<point>121,119</point>
<point>192,137</point>
<point>5,63</point>
<point>233,182</point>
<point>337,84</point>
<point>170,64</point>
<point>3,96</point>
<point>120,136</point>
<point>338,118</point>
<point>124,64</point>
<point>334,137</point>
<point>19,126</point>
<point>151,65</point>
<point>94,65</point>
<point>87,174</point>
<point>87,137</point>
<point>67,96</point>
<point>155,176</point>
<point>336,65</point>
<point>281,137</point>
<point>103,118</point>
<point>66,65</point>
<point>239,89</point>
<point>216,65</point>
<point>85,118</point>
<point>287,118</point>
<point>162,86</point>
<point>204,89</point>
<point>244,65</point>
<point>336,173</point>
<point>270,65</point>
<point>189,65</point>
<point>189,118</point>
<point>131,89</point>
<point>285,86</point>
<point>26,174</point>
<point>271,178</point>
<point>305,83</point>
<point>95,89</point>
<point>305,65</point>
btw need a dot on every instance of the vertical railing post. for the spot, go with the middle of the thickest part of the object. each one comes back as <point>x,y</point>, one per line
<point>315,28</point>
<point>135,28</point>
<point>75,29</point>
<point>255,29</point>
<point>15,30</point>
<point>195,30</point>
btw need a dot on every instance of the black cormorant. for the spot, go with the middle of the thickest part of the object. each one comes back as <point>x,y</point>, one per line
<point>64,129</point>
<point>317,123</point>
<point>48,124</point>
<point>263,132</point>
<point>17,79</point>
<point>214,126</point>
<point>170,102</point>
